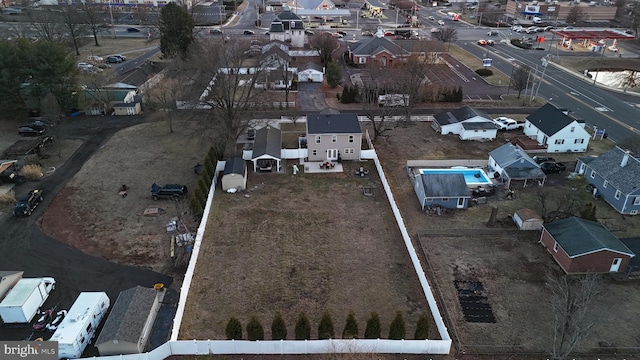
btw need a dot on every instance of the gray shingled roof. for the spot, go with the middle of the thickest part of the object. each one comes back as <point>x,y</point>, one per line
<point>234,165</point>
<point>268,142</point>
<point>549,119</point>
<point>376,3</point>
<point>579,237</point>
<point>128,315</point>
<point>626,179</point>
<point>445,186</point>
<point>376,45</point>
<point>479,125</point>
<point>308,4</point>
<point>345,123</point>
<point>462,114</point>
<point>308,66</point>
<point>508,154</point>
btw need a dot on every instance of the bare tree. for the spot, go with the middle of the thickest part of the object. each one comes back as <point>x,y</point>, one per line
<point>368,96</point>
<point>227,75</point>
<point>276,63</point>
<point>560,203</point>
<point>628,78</point>
<point>48,26</point>
<point>520,78</point>
<point>572,299</point>
<point>162,98</point>
<point>94,90</point>
<point>447,34</point>
<point>325,44</point>
<point>74,25</point>
<point>575,15</point>
<point>92,18</point>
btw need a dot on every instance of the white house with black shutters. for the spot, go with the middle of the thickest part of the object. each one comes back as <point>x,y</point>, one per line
<point>555,129</point>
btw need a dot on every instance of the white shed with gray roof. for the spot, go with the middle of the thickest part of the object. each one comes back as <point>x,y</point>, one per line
<point>468,123</point>
<point>234,175</point>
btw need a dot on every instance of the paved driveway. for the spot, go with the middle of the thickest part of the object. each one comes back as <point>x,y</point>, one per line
<point>310,97</point>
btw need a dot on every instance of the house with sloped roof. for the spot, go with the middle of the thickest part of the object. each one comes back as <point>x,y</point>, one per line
<point>385,52</point>
<point>468,123</point>
<point>323,9</point>
<point>556,130</point>
<point>234,175</point>
<point>581,246</point>
<point>331,137</point>
<point>267,150</point>
<point>288,27</point>
<point>130,321</point>
<point>446,190</point>
<point>510,162</point>
<point>615,176</point>
<point>310,72</point>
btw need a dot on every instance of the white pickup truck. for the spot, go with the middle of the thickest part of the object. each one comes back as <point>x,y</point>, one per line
<point>505,123</point>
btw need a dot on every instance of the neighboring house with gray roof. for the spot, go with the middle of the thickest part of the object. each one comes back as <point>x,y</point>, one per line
<point>267,150</point>
<point>385,52</point>
<point>555,129</point>
<point>615,176</point>
<point>581,246</point>
<point>510,162</point>
<point>288,27</point>
<point>333,137</point>
<point>446,190</point>
<point>468,123</point>
<point>130,321</point>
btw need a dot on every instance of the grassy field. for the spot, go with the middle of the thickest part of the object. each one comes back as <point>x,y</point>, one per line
<point>474,63</point>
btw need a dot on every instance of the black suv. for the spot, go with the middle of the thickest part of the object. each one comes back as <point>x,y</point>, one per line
<point>167,191</point>
<point>26,204</point>
<point>31,130</point>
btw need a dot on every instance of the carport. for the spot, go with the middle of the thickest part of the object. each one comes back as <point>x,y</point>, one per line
<point>591,35</point>
<point>267,149</point>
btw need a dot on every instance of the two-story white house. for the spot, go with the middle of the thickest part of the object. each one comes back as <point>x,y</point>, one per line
<point>331,137</point>
<point>556,130</point>
<point>287,27</point>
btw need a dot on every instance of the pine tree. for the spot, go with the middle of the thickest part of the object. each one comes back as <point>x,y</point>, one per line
<point>176,31</point>
<point>350,327</point>
<point>234,329</point>
<point>397,329</point>
<point>422,327</point>
<point>325,327</point>
<point>254,329</point>
<point>334,74</point>
<point>278,328</point>
<point>303,328</point>
<point>373,329</point>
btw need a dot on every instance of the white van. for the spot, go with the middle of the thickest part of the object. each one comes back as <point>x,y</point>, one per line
<point>536,20</point>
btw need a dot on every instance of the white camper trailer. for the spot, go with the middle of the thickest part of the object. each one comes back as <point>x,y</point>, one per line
<point>79,326</point>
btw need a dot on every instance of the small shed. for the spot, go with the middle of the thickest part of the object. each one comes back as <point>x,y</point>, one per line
<point>234,175</point>
<point>7,280</point>
<point>127,108</point>
<point>129,324</point>
<point>527,219</point>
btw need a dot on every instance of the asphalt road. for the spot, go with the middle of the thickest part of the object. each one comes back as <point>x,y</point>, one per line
<point>23,246</point>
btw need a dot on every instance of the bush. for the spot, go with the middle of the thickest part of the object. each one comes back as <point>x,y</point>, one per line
<point>350,327</point>
<point>484,72</point>
<point>303,328</point>
<point>32,172</point>
<point>234,329</point>
<point>278,328</point>
<point>422,327</point>
<point>373,329</point>
<point>397,329</point>
<point>8,198</point>
<point>254,329</point>
<point>325,327</point>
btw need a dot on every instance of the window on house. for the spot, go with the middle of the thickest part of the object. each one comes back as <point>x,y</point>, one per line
<point>618,193</point>
<point>636,200</point>
<point>633,212</point>
<point>334,138</point>
<point>445,199</point>
<point>349,151</point>
<point>582,166</point>
<point>578,141</point>
<point>318,137</point>
<point>555,247</point>
<point>362,60</point>
<point>314,152</point>
<point>573,128</point>
<point>351,138</point>
<point>559,141</point>
<point>605,184</point>
<point>428,199</point>
<point>593,174</point>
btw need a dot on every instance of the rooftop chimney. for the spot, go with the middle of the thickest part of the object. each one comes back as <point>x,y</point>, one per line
<point>625,159</point>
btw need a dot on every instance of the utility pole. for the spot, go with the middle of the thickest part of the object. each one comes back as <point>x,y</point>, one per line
<point>113,27</point>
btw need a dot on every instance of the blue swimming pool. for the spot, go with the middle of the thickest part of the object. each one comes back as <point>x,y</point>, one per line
<point>473,177</point>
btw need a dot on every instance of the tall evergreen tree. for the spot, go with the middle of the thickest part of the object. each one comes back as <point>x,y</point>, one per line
<point>176,31</point>
<point>350,327</point>
<point>334,74</point>
<point>254,329</point>
<point>373,329</point>
<point>234,329</point>
<point>278,328</point>
<point>397,329</point>
<point>422,327</point>
<point>303,328</point>
<point>325,327</point>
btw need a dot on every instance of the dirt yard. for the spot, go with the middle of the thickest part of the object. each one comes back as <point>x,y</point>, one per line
<point>302,243</point>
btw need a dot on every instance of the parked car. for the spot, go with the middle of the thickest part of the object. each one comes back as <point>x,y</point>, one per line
<point>31,130</point>
<point>441,22</point>
<point>337,35</point>
<point>613,48</point>
<point>550,27</point>
<point>435,30</point>
<point>27,203</point>
<point>114,60</point>
<point>541,159</point>
<point>309,32</point>
<point>431,18</point>
<point>249,32</point>
<point>85,66</point>
<point>215,32</point>
<point>492,32</point>
<point>42,123</point>
<point>122,57</point>
<point>367,33</point>
<point>483,42</point>
<point>343,33</point>
<point>505,123</point>
<point>94,58</point>
<point>133,30</point>
<point>549,167</point>
<point>172,191</point>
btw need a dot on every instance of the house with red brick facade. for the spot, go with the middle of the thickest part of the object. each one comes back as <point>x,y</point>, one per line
<point>581,246</point>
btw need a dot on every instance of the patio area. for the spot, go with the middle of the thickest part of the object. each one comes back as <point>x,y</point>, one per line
<point>313,167</point>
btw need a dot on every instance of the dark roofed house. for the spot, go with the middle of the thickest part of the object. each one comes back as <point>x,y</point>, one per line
<point>130,321</point>
<point>446,190</point>
<point>468,123</point>
<point>333,136</point>
<point>267,150</point>
<point>384,52</point>
<point>581,246</point>
<point>287,26</point>
<point>555,129</point>
<point>510,162</point>
<point>615,176</point>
